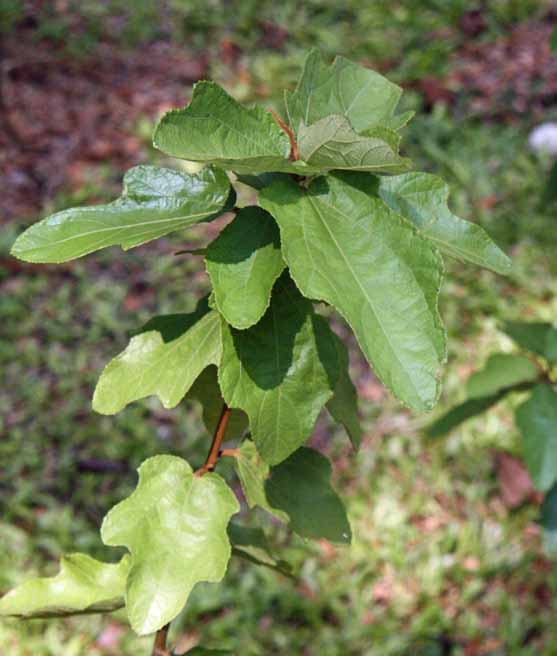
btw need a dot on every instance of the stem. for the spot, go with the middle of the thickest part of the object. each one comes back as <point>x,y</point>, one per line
<point>294,154</point>
<point>214,452</point>
<point>159,646</point>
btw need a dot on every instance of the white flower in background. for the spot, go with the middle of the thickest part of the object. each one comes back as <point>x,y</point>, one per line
<point>543,138</point>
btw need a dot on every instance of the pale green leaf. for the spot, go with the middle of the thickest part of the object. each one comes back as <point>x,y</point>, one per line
<point>538,337</point>
<point>363,96</point>
<point>332,143</point>
<point>344,246</point>
<point>253,471</point>
<point>155,201</point>
<point>343,406</point>
<point>163,360</point>
<point>300,486</point>
<point>83,585</point>
<point>423,199</point>
<point>281,372</point>
<point>174,525</point>
<point>501,371</point>
<point>243,264</point>
<point>207,392</point>
<point>537,421</point>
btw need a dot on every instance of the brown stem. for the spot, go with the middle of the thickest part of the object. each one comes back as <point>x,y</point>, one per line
<point>159,646</point>
<point>229,453</point>
<point>214,452</point>
<point>294,154</point>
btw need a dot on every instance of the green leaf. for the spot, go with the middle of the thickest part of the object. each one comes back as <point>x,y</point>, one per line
<point>537,420</point>
<point>423,199</point>
<point>537,337</point>
<point>332,143</point>
<point>253,471</point>
<point>281,372</point>
<point>363,96</point>
<point>300,486</point>
<point>155,201</point>
<point>344,404</point>
<point>201,651</point>
<point>207,392</point>
<point>462,413</point>
<point>214,128</point>
<point>260,180</point>
<point>83,585</point>
<point>243,264</point>
<point>501,371</point>
<point>548,521</point>
<point>174,525</point>
<point>164,359</point>
<point>346,247</point>
<point>252,545</point>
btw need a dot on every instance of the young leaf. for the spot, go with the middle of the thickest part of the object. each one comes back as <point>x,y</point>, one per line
<point>207,392</point>
<point>461,413</point>
<point>164,359</point>
<point>501,371</point>
<point>346,247</point>
<point>344,404</point>
<point>537,337</point>
<point>423,199</point>
<point>174,525</point>
<point>155,201</point>
<point>332,143</point>
<point>300,486</point>
<point>548,521</point>
<point>281,372</point>
<point>363,96</point>
<point>243,264</point>
<point>83,585</point>
<point>253,472</point>
<point>537,420</point>
<point>215,128</point>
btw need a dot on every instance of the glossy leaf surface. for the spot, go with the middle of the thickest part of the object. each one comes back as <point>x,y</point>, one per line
<point>346,247</point>
<point>281,372</point>
<point>243,263</point>
<point>174,525</point>
<point>83,585</point>
<point>164,359</point>
<point>155,201</point>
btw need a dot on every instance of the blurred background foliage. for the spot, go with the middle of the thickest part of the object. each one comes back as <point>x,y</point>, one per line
<point>443,561</point>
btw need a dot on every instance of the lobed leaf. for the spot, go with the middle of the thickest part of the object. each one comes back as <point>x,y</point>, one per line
<point>344,246</point>
<point>423,199</point>
<point>364,97</point>
<point>538,337</point>
<point>163,360</point>
<point>243,264</point>
<point>83,585</point>
<point>343,406</point>
<point>155,201</point>
<point>300,486</point>
<point>501,371</point>
<point>174,525</point>
<point>537,420</point>
<point>280,372</point>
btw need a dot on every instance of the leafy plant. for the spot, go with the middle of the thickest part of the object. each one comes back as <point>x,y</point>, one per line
<point>534,371</point>
<point>331,228</point>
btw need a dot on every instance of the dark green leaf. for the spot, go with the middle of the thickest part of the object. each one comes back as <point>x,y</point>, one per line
<point>461,413</point>
<point>83,585</point>
<point>201,651</point>
<point>300,486</point>
<point>281,372</point>
<point>258,181</point>
<point>423,199</point>
<point>243,264</point>
<point>501,371</point>
<point>164,359</point>
<point>155,201</point>
<point>548,521</point>
<point>344,404</point>
<point>537,421</point>
<point>537,337</point>
<point>251,544</point>
<point>174,525</point>
<point>344,246</point>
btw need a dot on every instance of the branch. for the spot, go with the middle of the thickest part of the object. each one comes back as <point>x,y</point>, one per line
<point>214,452</point>
<point>159,646</point>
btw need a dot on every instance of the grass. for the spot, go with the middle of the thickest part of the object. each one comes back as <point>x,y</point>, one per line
<point>438,564</point>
